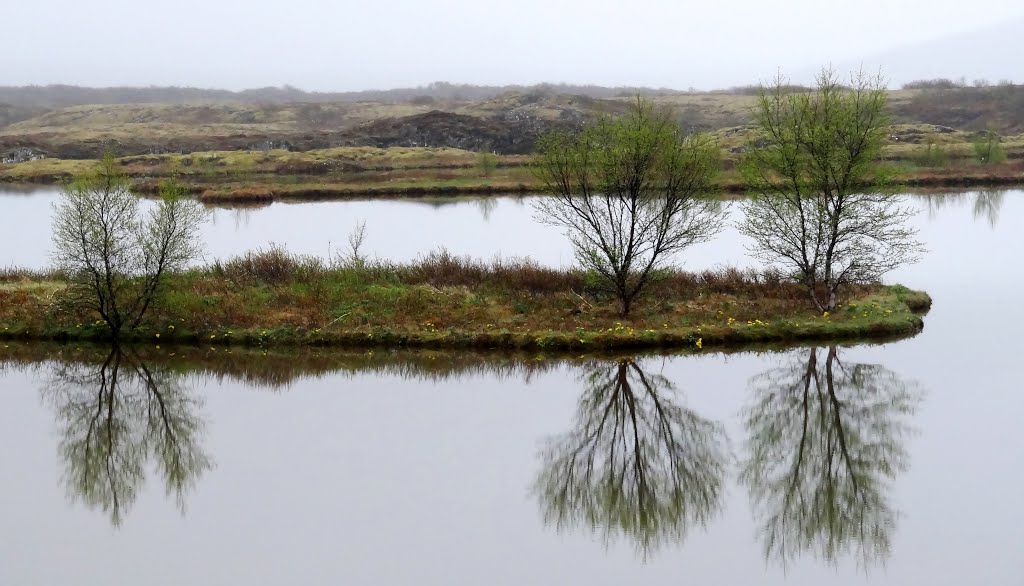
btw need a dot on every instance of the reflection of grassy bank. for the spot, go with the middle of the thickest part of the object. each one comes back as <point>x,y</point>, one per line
<point>270,298</point>
<point>280,366</point>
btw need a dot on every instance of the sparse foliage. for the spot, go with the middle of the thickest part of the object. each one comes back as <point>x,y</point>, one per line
<point>988,148</point>
<point>119,419</point>
<point>355,256</point>
<point>826,439</point>
<point>638,464</point>
<point>933,155</point>
<point>823,207</point>
<point>487,162</point>
<point>628,192</point>
<point>115,255</point>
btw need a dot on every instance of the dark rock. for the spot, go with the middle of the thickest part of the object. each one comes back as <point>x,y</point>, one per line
<point>510,133</point>
<point>271,145</point>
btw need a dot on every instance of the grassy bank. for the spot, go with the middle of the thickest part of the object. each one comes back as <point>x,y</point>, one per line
<point>271,298</point>
<point>243,177</point>
<point>267,189</point>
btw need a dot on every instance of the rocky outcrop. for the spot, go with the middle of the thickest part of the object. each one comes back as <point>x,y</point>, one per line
<point>505,133</point>
<point>513,133</point>
<point>20,155</point>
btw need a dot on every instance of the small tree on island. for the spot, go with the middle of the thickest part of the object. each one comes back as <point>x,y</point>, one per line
<point>823,205</point>
<point>487,162</point>
<point>115,256</point>
<point>628,192</point>
<point>988,148</point>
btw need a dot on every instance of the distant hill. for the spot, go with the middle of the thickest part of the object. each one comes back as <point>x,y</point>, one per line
<point>508,123</point>
<point>62,96</point>
<point>76,123</point>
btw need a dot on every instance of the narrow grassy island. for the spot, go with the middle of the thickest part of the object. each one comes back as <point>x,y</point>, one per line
<point>270,297</point>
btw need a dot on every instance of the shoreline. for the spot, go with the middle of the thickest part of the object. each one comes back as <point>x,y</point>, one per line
<point>337,192</point>
<point>893,311</point>
<point>303,189</point>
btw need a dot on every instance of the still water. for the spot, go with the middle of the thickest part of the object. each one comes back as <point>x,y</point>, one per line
<point>402,230</point>
<point>882,464</point>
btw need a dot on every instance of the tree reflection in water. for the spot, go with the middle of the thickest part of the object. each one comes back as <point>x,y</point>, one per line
<point>637,464</point>
<point>825,439</point>
<point>986,203</point>
<point>116,416</point>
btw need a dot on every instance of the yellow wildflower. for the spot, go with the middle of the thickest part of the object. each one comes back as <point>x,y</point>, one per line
<point>700,343</point>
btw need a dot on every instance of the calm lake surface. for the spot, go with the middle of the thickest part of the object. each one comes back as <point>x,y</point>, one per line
<point>882,464</point>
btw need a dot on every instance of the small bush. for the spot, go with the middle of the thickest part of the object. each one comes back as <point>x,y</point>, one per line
<point>440,268</point>
<point>934,84</point>
<point>933,155</point>
<point>987,148</point>
<point>273,265</point>
<point>13,274</point>
<point>487,163</point>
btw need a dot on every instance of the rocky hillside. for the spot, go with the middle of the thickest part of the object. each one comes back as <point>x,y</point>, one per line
<point>509,124</point>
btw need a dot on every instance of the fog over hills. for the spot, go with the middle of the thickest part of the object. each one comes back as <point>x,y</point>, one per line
<point>992,54</point>
<point>354,46</point>
<point>74,122</point>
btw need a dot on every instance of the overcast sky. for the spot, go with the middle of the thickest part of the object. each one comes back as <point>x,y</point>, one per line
<point>362,44</point>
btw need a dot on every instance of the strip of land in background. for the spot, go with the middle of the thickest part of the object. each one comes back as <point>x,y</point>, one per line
<point>243,177</point>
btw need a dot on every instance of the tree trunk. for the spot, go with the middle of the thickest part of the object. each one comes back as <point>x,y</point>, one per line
<point>833,298</point>
<point>812,292</point>
<point>625,304</point>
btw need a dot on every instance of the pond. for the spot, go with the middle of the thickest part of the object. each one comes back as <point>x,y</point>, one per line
<point>891,464</point>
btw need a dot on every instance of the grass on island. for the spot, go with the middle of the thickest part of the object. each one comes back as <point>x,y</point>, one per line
<point>270,297</point>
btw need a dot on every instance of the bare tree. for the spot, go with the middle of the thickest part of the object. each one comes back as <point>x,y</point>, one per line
<point>823,206</point>
<point>825,439</point>
<point>116,257</point>
<point>637,464</point>
<point>628,193</point>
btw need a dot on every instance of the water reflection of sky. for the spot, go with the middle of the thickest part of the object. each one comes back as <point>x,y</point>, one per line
<point>404,229</point>
<point>328,478</point>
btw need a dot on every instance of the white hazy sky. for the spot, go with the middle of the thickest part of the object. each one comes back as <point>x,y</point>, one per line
<point>352,45</point>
